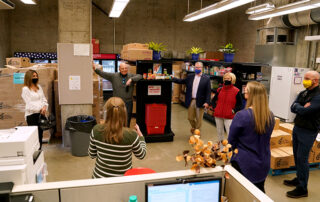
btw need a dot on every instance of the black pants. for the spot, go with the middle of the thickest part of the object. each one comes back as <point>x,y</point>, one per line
<point>33,120</point>
<point>260,185</point>
<point>129,106</point>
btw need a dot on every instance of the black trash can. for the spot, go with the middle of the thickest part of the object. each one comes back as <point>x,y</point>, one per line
<point>80,129</point>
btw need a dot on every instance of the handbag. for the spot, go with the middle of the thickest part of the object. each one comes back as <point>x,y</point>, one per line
<point>46,123</point>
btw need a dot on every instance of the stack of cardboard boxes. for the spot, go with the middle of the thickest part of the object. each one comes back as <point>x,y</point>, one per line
<point>12,106</point>
<point>136,51</point>
<point>281,147</point>
<point>176,88</point>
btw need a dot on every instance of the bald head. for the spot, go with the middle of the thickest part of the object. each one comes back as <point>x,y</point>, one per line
<point>123,68</point>
<point>314,76</point>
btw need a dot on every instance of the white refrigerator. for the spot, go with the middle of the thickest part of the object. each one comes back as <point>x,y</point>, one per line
<point>285,85</point>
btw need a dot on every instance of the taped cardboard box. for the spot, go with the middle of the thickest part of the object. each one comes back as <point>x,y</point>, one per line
<point>18,62</point>
<point>132,69</point>
<point>280,159</point>
<point>316,158</point>
<point>280,138</point>
<point>289,150</point>
<point>287,127</point>
<point>276,125</point>
<point>316,146</point>
<point>136,54</point>
<point>135,46</point>
<point>176,93</point>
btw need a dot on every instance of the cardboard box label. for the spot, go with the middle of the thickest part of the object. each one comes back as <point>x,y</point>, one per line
<point>18,78</point>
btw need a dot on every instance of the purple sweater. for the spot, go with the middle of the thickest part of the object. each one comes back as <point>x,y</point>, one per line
<point>254,149</point>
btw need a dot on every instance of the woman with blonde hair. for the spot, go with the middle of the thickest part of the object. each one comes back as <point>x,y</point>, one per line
<point>226,102</point>
<point>36,102</point>
<point>112,143</point>
<point>250,133</point>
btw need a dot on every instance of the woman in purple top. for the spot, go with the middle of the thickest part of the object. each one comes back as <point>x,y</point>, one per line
<point>250,133</point>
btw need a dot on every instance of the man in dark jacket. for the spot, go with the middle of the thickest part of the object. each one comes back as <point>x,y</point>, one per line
<point>122,84</point>
<point>197,95</point>
<point>306,127</point>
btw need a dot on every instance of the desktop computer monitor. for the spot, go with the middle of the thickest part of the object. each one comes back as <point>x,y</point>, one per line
<point>206,189</point>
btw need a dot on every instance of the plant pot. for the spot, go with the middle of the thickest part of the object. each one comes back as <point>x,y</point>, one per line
<point>156,55</point>
<point>195,56</point>
<point>228,57</point>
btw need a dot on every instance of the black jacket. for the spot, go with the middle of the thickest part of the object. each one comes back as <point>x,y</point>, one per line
<point>204,89</point>
<point>307,117</point>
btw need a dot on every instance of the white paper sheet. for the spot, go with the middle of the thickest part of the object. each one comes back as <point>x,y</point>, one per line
<point>74,83</point>
<point>81,49</point>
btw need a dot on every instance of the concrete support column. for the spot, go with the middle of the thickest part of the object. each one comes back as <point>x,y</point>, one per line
<point>74,27</point>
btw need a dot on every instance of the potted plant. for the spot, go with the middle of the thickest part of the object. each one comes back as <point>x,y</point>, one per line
<point>157,48</point>
<point>195,51</point>
<point>228,52</point>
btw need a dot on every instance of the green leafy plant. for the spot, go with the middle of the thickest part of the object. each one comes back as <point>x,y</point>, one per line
<point>156,46</point>
<point>195,50</point>
<point>228,48</point>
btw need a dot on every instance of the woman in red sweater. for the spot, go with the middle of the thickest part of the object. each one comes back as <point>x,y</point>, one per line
<point>226,102</point>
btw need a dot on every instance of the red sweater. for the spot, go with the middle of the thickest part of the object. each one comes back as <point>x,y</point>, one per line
<point>226,102</point>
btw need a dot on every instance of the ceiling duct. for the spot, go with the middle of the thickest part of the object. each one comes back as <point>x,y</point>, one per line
<point>6,4</point>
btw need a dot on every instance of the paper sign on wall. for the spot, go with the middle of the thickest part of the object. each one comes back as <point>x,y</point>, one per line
<point>81,49</point>
<point>18,78</point>
<point>154,90</point>
<point>74,83</point>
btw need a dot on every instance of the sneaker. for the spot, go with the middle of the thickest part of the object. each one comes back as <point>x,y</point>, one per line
<point>291,183</point>
<point>297,193</point>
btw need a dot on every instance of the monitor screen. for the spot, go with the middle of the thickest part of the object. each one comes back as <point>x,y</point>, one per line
<point>189,190</point>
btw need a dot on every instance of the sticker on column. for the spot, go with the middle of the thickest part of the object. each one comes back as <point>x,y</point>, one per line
<point>154,90</point>
<point>74,83</point>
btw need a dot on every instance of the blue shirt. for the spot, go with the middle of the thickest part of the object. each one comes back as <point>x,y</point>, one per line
<point>253,157</point>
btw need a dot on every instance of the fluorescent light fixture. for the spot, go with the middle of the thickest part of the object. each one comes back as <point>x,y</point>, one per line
<point>312,38</point>
<point>214,9</point>
<point>117,7</point>
<point>287,9</point>
<point>28,1</point>
<point>260,8</point>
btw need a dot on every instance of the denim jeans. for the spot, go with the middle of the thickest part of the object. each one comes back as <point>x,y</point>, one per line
<point>302,141</point>
<point>129,105</point>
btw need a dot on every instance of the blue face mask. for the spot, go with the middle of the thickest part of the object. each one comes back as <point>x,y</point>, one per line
<point>197,71</point>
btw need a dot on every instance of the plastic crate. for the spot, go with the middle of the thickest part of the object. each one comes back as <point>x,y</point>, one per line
<point>156,118</point>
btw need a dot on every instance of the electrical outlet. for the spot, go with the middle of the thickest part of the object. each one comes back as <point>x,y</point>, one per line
<point>318,60</point>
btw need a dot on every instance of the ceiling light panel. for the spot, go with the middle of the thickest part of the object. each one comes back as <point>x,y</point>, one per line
<point>215,8</point>
<point>117,7</point>
<point>260,8</point>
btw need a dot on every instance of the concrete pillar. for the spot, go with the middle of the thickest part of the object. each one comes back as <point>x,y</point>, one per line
<point>74,27</point>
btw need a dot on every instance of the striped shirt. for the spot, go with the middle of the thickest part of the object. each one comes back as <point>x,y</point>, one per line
<point>114,160</point>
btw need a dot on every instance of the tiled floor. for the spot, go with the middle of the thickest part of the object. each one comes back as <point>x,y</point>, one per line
<point>161,158</point>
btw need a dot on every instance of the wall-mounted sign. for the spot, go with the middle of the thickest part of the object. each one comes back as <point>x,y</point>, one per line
<point>18,78</point>
<point>154,90</point>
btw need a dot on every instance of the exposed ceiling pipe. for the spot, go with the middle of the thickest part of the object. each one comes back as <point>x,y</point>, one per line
<point>296,19</point>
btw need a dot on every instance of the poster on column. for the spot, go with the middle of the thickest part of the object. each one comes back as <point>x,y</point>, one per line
<point>74,83</point>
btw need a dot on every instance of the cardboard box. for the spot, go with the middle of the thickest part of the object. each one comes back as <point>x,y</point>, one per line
<point>136,54</point>
<point>276,125</point>
<point>316,158</point>
<point>57,107</point>
<point>289,150</point>
<point>132,70</point>
<point>182,97</point>
<point>316,146</point>
<point>95,46</point>
<point>134,107</point>
<point>134,93</point>
<point>176,93</point>
<point>280,159</point>
<point>131,46</point>
<point>18,62</point>
<point>280,138</point>
<point>214,55</point>
<point>287,127</point>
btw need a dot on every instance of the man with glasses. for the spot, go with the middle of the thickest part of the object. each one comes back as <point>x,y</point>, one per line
<point>122,85</point>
